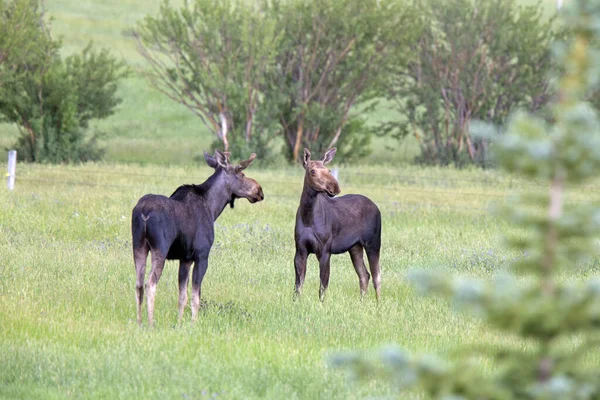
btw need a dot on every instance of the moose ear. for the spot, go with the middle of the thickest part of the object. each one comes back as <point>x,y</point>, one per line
<point>222,158</point>
<point>328,156</point>
<point>246,163</point>
<point>210,160</point>
<point>306,157</point>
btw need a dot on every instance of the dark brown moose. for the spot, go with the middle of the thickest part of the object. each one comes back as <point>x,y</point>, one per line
<point>328,225</point>
<point>181,227</point>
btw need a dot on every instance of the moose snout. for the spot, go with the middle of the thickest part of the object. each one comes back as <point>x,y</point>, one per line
<point>333,189</point>
<point>258,196</point>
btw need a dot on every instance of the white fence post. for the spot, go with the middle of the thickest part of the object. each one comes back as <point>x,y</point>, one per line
<point>334,172</point>
<point>12,167</point>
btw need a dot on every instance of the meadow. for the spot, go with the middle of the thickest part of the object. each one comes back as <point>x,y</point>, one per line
<point>67,308</point>
<point>67,304</point>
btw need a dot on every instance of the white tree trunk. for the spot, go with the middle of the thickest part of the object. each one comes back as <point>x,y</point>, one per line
<point>224,131</point>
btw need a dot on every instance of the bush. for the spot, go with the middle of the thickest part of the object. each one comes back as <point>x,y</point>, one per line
<point>474,60</point>
<point>52,100</point>
<point>295,68</point>
<point>332,57</point>
<point>212,56</point>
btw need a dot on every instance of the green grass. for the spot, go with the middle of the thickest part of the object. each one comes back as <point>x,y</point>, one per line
<point>67,308</point>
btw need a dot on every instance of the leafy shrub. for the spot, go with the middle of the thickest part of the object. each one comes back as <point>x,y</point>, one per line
<point>52,100</point>
<point>332,57</point>
<point>212,57</point>
<point>474,60</point>
<point>289,68</point>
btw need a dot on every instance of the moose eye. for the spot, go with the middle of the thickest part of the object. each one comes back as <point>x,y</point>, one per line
<point>312,171</point>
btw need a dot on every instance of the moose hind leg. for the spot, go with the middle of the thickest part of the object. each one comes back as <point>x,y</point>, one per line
<point>373,256</point>
<point>184,274</point>
<point>356,254</point>
<point>140,255</point>
<point>158,263</point>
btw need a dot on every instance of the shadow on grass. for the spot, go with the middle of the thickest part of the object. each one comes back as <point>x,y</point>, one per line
<point>229,309</point>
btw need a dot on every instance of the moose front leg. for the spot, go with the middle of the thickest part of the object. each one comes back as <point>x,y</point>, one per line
<point>300,267</point>
<point>184,274</point>
<point>200,267</point>
<point>324,273</point>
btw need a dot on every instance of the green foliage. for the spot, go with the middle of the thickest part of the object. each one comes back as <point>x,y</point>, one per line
<point>212,56</point>
<point>23,38</point>
<point>251,71</point>
<point>333,56</point>
<point>474,60</point>
<point>52,100</point>
<point>560,319</point>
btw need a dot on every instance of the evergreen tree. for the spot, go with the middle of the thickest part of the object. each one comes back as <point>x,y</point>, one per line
<point>560,318</point>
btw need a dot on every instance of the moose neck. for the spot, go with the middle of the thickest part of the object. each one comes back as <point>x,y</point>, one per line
<point>308,200</point>
<point>217,194</point>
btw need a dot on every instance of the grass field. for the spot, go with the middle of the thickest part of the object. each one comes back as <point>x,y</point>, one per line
<point>67,309</point>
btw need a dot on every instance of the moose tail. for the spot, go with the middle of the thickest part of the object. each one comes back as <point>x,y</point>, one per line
<point>139,229</point>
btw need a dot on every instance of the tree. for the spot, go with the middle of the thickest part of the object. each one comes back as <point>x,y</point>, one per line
<point>51,100</point>
<point>332,56</point>
<point>22,42</point>
<point>250,70</point>
<point>25,45</point>
<point>212,56</point>
<point>546,311</point>
<point>474,60</point>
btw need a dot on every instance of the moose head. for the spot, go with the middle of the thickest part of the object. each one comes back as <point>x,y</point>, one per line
<point>238,184</point>
<point>318,176</point>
